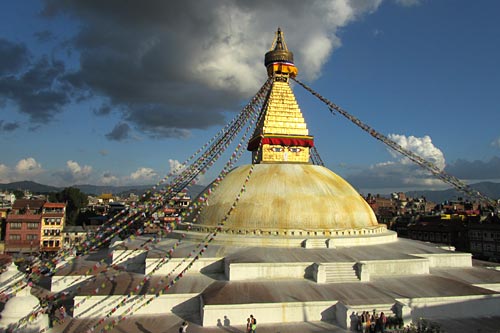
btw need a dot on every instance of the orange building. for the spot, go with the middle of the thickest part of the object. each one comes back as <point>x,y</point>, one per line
<point>53,220</point>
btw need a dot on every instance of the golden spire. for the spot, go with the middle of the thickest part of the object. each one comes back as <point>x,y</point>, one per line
<point>279,60</point>
<point>282,132</point>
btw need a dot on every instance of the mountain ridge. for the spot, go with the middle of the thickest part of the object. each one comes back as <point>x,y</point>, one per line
<point>489,189</point>
<point>85,188</point>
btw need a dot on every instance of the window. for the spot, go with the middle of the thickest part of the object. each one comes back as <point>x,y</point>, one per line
<point>14,237</point>
<point>31,237</point>
<point>16,225</point>
<point>32,225</point>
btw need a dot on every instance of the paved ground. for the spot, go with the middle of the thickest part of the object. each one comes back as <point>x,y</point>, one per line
<point>171,323</point>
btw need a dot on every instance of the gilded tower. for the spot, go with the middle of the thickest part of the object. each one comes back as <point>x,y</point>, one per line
<point>282,133</point>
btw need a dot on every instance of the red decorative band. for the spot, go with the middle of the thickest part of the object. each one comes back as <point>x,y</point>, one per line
<point>281,141</point>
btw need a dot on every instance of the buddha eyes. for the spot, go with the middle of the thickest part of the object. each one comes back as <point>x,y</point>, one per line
<point>282,149</point>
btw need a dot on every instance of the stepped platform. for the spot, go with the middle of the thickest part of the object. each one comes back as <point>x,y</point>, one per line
<point>288,285</point>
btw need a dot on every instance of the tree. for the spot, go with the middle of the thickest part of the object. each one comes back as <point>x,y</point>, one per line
<point>75,200</point>
<point>18,194</point>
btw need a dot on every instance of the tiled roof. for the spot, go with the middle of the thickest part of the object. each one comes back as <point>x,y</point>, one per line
<point>54,205</point>
<point>23,203</point>
<point>24,217</point>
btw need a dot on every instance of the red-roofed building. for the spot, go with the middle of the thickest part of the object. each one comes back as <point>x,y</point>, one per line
<point>22,232</point>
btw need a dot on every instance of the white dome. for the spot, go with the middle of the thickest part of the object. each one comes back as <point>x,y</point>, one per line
<point>18,307</point>
<point>288,197</point>
<point>9,273</point>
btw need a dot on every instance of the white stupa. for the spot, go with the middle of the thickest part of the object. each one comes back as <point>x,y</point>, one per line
<point>19,307</point>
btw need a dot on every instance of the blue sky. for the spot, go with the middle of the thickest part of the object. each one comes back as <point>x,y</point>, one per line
<point>119,93</point>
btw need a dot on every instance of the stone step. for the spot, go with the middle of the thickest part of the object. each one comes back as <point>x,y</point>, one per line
<point>338,272</point>
<point>316,243</point>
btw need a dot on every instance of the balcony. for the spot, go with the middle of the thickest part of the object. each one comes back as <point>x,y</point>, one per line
<point>49,248</point>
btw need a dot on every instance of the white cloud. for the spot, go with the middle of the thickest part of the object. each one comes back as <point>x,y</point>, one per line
<point>143,174</point>
<point>176,167</point>
<point>28,167</point>
<point>4,174</point>
<point>496,143</point>
<point>402,172</point>
<point>108,178</point>
<point>77,171</point>
<point>423,147</point>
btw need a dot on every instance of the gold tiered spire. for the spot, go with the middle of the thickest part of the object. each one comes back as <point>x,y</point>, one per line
<point>282,130</point>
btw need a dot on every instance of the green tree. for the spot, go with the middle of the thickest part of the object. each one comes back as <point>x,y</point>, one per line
<point>18,193</point>
<point>75,201</point>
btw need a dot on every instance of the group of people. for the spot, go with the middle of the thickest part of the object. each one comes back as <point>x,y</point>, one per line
<point>370,322</point>
<point>251,324</point>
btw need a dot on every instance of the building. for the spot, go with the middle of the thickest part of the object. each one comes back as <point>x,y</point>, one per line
<point>34,225</point>
<point>3,220</point>
<point>22,234</point>
<point>53,221</point>
<point>484,239</point>
<point>73,235</point>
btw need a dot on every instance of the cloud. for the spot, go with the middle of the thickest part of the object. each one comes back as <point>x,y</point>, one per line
<point>44,36</point>
<point>496,143</point>
<point>171,67</point>
<point>176,167</point>
<point>107,178</point>
<point>143,174</point>
<point>8,127</point>
<point>4,174</point>
<point>475,170</point>
<point>401,172</point>
<point>103,152</point>
<point>28,167</point>
<point>74,173</point>
<point>423,147</point>
<point>77,170</point>
<point>40,92</point>
<point>377,32</point>
<point>119,133</point>
<point>104,110</point>
<point>25,169</point>
<point>13,57</point>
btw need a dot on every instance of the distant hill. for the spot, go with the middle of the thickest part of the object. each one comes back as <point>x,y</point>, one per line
<point>30,186</point>
<point>89,189</point>
<point>489,189</point>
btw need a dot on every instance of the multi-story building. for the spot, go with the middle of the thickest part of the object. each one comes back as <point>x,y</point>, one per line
<point>484,240</point>
<point>53,220</point>
<point>22,232</point>
<point>3,220</point>
<point>73,235</point>
<point>7,199</point>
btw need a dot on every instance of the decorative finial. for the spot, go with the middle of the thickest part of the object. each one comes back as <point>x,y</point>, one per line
<point>279,60</point>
